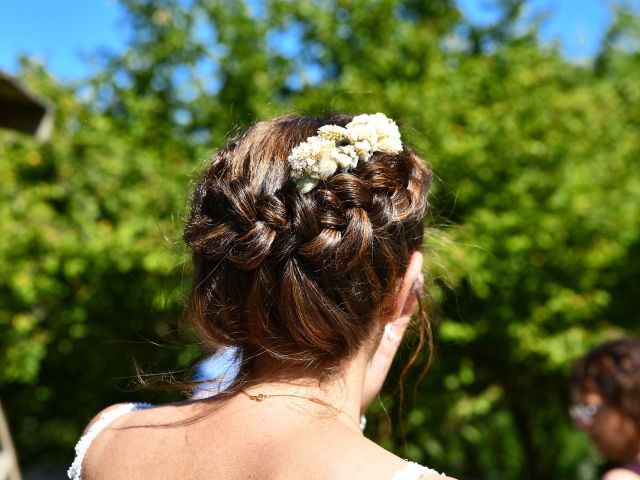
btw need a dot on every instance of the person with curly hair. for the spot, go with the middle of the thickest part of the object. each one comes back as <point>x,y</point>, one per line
<point>605,387</point>
<point>306,238</point>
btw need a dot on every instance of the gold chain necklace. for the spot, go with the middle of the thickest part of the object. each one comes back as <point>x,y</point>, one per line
<point>259,397</point>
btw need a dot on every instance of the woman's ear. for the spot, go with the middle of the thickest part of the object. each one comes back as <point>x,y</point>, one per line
<point>397,317</point>
<point>407,296</point>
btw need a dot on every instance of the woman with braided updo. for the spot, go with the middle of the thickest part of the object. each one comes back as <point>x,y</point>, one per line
<point>306,237</point>
<point>605,387</point>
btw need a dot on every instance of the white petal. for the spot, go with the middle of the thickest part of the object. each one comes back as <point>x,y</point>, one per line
<point>306,184</point>
<point>344,161</point>
<point>326,167</point>
<point>332,132</point>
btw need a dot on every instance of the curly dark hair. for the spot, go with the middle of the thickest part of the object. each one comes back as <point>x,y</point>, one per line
<point>299,278</point>
<point>612,370</point>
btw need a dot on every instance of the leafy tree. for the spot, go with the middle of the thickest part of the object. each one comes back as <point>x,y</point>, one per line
<point>89,265</point>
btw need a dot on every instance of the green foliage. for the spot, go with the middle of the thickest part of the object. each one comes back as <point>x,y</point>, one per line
<point>88,262</point>
<point>537,204</point>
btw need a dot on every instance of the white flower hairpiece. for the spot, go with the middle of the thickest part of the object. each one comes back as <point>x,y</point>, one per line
<point>342,147</point>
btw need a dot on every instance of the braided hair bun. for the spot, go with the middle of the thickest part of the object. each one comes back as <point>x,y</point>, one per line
<point>299,277</point>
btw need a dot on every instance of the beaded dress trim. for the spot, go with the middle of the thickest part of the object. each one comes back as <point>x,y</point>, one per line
<point>413,471</point>
<point>75,470</point>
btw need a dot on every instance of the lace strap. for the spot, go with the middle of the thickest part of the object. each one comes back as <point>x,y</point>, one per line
<point>413,471</point>
<point>85,441</point>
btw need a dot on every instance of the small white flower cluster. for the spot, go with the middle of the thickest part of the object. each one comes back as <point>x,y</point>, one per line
<point>342,147</point>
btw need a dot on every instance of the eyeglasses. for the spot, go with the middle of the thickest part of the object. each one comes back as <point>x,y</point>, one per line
<point>583,413</point>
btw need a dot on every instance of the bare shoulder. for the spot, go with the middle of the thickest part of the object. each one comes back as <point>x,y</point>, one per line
<point>620,474</point>
<point>101,415</point>
<point>364,459</point>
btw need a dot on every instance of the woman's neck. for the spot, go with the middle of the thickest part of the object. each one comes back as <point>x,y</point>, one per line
<point>342,391</point>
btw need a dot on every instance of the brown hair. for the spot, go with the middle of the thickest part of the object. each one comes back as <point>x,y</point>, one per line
<point>612,370</point>
<point>299,278</point>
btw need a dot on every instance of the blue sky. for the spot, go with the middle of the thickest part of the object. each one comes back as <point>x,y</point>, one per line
<point>65,33</point>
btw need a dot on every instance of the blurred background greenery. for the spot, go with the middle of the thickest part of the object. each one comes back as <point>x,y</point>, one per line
<point>534,254</point>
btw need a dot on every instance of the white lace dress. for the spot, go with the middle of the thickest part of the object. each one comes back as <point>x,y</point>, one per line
<point>411,471</point>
